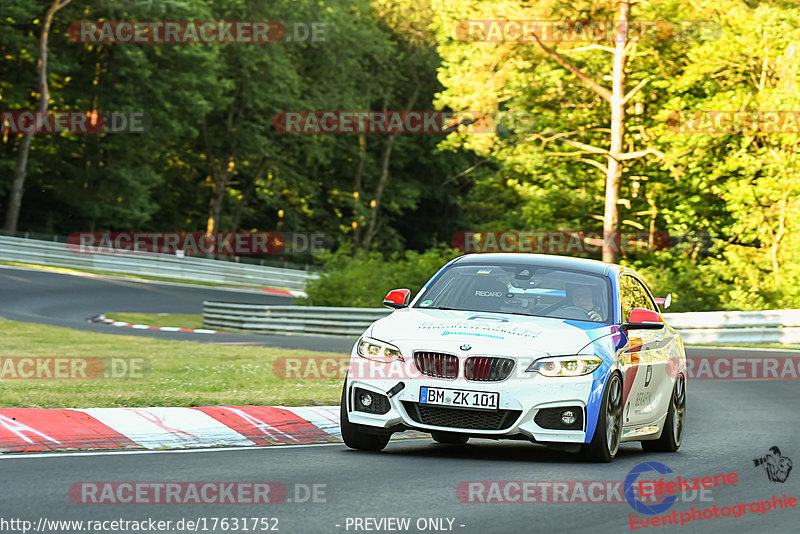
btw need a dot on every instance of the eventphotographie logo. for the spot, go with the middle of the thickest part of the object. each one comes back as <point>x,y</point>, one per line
<point>777,467</point>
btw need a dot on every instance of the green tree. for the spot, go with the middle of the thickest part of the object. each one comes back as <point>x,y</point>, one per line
<point>754,176</point>
<point>23,151</point>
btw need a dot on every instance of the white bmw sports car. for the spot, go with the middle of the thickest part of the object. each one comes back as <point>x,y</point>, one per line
<point>565,352</point>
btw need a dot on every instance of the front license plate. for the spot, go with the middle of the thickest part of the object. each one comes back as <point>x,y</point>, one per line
<point>459,398</point>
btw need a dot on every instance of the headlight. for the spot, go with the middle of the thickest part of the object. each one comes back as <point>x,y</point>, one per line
<point>372,349</point>
<point>565,365</point>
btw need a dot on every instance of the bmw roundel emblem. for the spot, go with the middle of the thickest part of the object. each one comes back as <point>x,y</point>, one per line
<point>465,347</point>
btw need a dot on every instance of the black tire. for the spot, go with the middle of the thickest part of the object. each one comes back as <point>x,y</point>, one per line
<point>353,435</point>
<point>608,432</point>
<point>449,438</point>
<point>674,424</point>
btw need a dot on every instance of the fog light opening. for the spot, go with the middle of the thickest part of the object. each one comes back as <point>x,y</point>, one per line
<point>366,400</point>
<point>568,417</point>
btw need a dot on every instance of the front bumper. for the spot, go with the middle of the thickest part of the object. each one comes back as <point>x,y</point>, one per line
<point>522,396</point>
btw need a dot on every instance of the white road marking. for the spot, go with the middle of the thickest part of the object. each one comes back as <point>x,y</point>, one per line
<point>10,456</point>
<point>24,455</point>
<point>156,428</point>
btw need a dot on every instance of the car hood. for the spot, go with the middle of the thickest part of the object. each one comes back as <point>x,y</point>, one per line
<point>497,333</point>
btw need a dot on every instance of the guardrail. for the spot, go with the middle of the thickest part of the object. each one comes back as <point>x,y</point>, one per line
<point>54,254</point>
<point>772,326</point>
<point>304,320</point>
<point>768,326</point>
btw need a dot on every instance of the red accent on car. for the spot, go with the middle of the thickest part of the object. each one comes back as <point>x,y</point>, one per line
<point>641,315</point>
<point>397,298</point>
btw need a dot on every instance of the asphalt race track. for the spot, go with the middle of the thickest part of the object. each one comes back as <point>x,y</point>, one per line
<point>730,423</point>
<point>71,300</point>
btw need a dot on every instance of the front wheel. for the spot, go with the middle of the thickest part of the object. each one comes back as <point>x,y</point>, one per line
<point>608,431</point>
<point>672,435</point>
<point>353,435</point>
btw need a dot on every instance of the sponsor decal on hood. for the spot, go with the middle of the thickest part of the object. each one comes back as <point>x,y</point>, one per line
<point>468,328</point>
<point>488,332</point>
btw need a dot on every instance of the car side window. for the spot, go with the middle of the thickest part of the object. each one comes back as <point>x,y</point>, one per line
<point>644,300</point>
<point>634,295</point>
<point>627,294</point>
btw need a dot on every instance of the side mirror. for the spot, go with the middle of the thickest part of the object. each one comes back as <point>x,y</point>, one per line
<point>643,319</point>
<point>665,302</point>
<point>397,298</point>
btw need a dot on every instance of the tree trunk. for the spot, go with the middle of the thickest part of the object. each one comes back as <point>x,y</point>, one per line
<point>221,181</point>
<point>357,186</point>
<point>775,249</point>
<point>221,175</point>
<point>617,99</point>
<point>372,228</point>
<point>386,155</point>
<point>21,170</point>
<point>614,168</point>
<point>247,192</point>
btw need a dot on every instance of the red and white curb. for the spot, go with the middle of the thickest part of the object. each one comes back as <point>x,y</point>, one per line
<point>102,319</point>
<point>285,292</point>
<point>33,429</point>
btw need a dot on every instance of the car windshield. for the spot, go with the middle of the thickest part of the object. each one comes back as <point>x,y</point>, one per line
<point>522,289</point>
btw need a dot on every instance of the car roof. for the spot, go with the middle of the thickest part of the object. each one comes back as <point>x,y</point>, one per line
<point>543,260</point>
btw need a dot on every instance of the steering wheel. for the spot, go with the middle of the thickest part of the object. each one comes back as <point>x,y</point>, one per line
<point>584,312</point>
<point>513,300</point>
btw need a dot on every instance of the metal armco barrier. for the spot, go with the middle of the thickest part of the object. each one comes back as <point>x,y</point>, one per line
<point>773,326</point>
<point>308,320</point>
<point>768,326</point>
<point>54,254</point>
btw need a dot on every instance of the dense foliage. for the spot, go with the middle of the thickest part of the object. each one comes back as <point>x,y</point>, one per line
<point>392,203</point>
<point>364,280</point>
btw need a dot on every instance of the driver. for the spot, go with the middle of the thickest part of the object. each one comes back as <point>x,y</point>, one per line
<point>582,297</point>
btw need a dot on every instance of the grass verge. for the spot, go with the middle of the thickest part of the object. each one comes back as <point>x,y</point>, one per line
<point>181,373</point>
